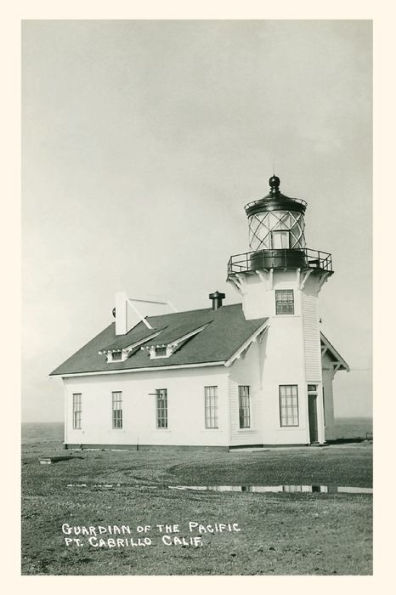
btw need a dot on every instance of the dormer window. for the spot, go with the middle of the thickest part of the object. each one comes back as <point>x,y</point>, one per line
<point>157,351</point>
<point>116,356</point>
<point>121,353</point>
<point>160,351</point>
<point>165,349</point>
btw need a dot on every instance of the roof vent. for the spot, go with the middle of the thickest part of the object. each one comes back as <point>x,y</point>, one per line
<point>217,299</point>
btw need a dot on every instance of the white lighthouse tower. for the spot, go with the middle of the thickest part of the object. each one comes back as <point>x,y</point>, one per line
<point>280,278</point>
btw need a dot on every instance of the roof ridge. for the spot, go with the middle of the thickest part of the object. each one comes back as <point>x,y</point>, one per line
<point>209,309</point>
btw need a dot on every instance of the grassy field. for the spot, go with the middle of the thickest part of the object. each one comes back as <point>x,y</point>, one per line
<point>279,534</point>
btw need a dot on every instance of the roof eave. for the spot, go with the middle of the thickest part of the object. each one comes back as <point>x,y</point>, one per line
<point>246,344</point>
<point>342,364</point>
<point>134,370</point>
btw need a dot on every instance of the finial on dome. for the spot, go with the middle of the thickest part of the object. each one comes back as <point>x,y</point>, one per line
<point>274,182</point>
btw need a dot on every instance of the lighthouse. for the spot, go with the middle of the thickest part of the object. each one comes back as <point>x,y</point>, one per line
<point>253,373</point>
<point>280,279</point>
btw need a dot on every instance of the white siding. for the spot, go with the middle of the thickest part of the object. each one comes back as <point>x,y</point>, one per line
<point>283,365</point>
<point>258,293</point>
<point>328,377</point>
<point>246,372</point>
<point>186,408</point>
<point>313,365</point>
<point>292,354</point>
<point>279,359</point>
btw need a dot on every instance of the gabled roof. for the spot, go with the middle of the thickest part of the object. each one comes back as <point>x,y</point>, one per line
<point>225,331</point>
<point>338,360</point>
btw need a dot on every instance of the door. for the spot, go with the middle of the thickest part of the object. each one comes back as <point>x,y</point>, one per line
<point>280,239</point>
<point>313,418</point>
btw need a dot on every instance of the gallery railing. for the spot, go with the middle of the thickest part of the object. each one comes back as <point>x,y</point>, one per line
<point>280,259</point>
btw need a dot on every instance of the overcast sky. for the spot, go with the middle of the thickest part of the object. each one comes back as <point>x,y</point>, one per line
<point>142,142</point>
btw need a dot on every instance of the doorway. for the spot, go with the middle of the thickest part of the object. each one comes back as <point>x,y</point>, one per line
<point>280,239</point>
<point>313,413</point>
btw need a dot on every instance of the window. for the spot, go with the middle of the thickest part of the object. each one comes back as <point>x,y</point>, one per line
<point>116,398</point>
<point>160,351</point>
<point>280,239</point>
<point>244,407</point>
<point>162,408</point>
<point>76,411</point>
<point>211,407</point>
<point>116,356</point>
<point>288,405</point>
<point>284,300</point>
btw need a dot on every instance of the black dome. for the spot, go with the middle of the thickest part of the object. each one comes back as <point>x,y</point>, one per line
<point>275,201</point>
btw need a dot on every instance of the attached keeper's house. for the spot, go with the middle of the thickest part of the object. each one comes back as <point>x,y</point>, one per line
<point>258,372</point>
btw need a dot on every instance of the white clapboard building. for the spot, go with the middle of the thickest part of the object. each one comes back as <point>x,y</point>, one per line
<point>259,372</point>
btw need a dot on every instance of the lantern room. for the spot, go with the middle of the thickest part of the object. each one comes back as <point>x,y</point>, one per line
<point>277,236</point>
<point>276,221</point>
